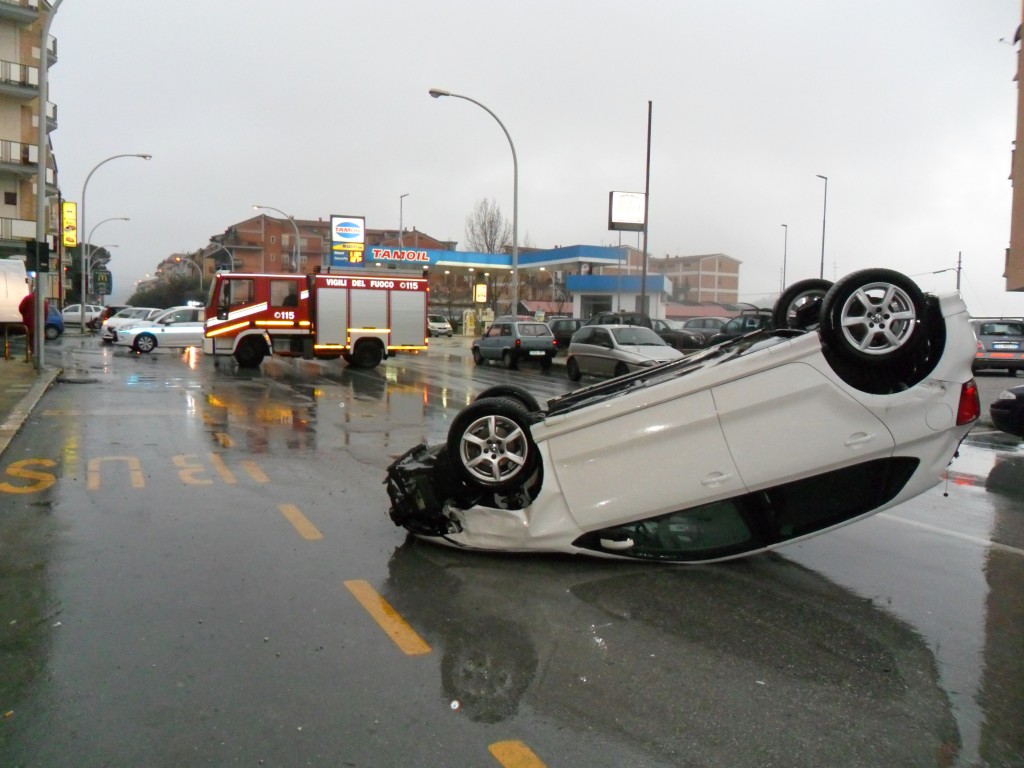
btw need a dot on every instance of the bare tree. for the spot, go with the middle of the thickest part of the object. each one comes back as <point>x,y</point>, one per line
<point>487,231</point>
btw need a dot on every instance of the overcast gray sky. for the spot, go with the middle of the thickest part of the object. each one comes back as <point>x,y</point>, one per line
<point>321,107</point>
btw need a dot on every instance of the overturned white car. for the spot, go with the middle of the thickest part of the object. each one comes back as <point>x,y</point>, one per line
<point>855,402</point>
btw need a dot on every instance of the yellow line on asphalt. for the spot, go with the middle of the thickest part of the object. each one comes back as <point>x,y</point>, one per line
<point>514,754</point>
<point>299,521</point>
<point>394,626</point>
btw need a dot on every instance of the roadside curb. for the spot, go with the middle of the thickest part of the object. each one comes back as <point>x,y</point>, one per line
<point>20,413</point>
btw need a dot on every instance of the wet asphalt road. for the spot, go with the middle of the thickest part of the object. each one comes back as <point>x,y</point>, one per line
<point>192,556</point>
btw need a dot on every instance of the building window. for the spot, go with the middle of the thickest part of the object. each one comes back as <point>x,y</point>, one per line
<point>10,198</point>
<point>273,239</point>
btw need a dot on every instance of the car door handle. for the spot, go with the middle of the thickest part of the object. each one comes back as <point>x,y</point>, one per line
<point>859,439</point>
<point>716,478</point>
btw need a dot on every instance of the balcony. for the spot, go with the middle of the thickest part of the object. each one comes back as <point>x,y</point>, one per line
<point>18,80</point>
<point>21,11</point>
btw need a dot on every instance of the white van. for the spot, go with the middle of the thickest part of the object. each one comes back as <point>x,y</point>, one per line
<point>13,288</point>
<point>438,325</point>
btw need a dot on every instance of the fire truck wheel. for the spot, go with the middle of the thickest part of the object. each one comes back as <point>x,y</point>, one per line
<point>367,354</point>
<point>250,353</point>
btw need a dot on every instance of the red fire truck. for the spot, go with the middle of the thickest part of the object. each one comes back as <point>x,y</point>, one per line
<point>361,317</point>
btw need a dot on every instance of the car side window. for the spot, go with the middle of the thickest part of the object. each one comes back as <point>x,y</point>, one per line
<point>602,338</point>
<point>506,330</point>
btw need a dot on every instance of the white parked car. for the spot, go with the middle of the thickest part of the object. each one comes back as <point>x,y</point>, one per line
<point>125,317</point>
<point>759,442</point>
<point>174,328</point>
<point>72,314</point>
<point>438,325</point>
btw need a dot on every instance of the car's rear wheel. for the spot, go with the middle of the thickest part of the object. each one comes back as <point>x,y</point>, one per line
<point>545,362</point>
<point>873,317</point>
<point>144,342</point>
<point>509,359</point>
<point>477,357</point>
<point>799,306</point>
<point>51,332</point>
<point>512,392</point>
<point>572,369</point>
<point>490,445</point>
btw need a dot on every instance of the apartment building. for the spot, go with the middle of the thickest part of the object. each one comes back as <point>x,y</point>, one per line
<point>21,27</point>
<point>711,277</point>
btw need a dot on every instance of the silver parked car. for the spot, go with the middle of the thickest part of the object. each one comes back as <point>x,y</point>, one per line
<point>615,350</point>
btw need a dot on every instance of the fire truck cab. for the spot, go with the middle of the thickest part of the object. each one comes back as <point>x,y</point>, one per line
<point>362,318</point>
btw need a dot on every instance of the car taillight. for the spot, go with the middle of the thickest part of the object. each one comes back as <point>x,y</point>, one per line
<point>970,405</point>
<point>519,343</point>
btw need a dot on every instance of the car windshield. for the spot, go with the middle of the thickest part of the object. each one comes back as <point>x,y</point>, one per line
<point>627,335</point>
<point>534,329</point>
<point>1002,329</point>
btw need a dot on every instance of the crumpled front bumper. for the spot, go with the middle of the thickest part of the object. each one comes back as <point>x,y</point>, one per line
<point>419,486</point>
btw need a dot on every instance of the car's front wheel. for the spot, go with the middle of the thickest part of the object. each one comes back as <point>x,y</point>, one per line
<point>490,445</point>
<point>477,357</point>
<point>799,306</point>
<point>144,342</point>
<point>873,317</point>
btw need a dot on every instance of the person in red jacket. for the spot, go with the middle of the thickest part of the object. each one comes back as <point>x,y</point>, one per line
<point>27,308</point>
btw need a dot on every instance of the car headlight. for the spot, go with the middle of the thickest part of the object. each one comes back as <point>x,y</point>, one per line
<point>1006,395</point>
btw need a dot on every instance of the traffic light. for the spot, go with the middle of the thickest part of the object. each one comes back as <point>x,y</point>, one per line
<point>38,256</point>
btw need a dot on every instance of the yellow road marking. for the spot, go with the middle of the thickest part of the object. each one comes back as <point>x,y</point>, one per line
<point>514,754</point>
<point>222,469</point>
<point>394,626</point>
<point>224,439</point>
<point>255,472</point>
<point>299,521</point>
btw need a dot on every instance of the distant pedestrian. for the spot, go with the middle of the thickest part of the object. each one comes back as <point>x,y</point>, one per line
<point>27,308</point>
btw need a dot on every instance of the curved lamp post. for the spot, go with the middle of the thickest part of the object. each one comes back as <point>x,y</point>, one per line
<point>295,263</point>
<point>401,226</point>
<point>180,260</point>
<point>81,224</point>
<point>438,93</point>
<point>230,255</point>
<point>86,259</point>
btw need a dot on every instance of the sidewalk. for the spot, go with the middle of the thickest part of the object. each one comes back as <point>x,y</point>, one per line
<point>21,387</point>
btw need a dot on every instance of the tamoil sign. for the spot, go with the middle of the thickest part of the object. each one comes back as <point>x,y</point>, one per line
<point>348,238</point>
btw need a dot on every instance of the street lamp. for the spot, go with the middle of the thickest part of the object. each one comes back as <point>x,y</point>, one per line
<point>295,258</point>
<point>785,248</point>
<point>438,93</point>
<point>824,212</point>
<point>179,260</point>
<point>86,260</point>
<point>401,226</point>
<point>231,256</point>
<point>81,210</point>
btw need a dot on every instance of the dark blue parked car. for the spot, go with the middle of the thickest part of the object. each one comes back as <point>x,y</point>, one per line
<point>54,323</point>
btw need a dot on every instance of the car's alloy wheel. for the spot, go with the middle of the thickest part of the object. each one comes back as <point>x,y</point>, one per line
<point>799,306</point>
<point>490,444</point>
<point>144,342</point>
<point>51,332</point>
<point>873,316</point>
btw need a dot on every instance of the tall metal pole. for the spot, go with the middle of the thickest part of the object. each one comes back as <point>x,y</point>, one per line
<point>647,202</point>
<point>42,150</point>
<point>86,247</point>
<point>785,249</point>
<point>824,214</point>
<point>437,93</point>
<point>295,250</point>
<point>401,226</point>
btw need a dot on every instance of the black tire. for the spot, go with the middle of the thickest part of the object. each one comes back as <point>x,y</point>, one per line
<point>545,363</point>
<point>512,392</point>
<point>250,353</point>
<point>490,445</point>
<point>799,306</point>
<point>508,358</point>
<point>477,357</point>
<point>51,332</point>
<point>145,343</point>
<point>873,317</point>
<point>621,369</point>
<point>572,369</point>
<point>367,354</point>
